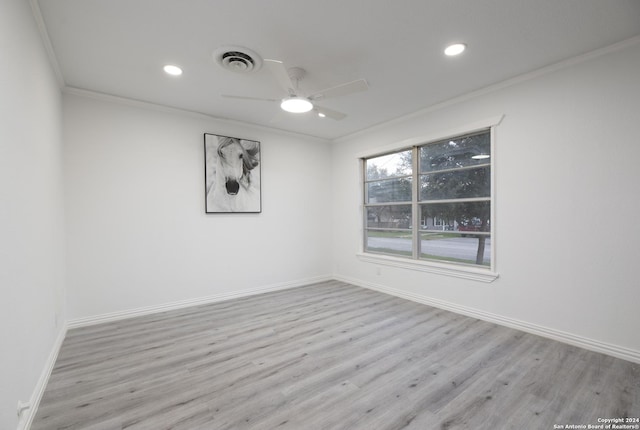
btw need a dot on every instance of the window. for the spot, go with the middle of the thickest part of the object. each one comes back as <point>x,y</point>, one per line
<point>388,203</point>
<point>432,202</point>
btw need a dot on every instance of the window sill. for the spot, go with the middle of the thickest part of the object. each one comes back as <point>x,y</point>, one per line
<point>475,274</point>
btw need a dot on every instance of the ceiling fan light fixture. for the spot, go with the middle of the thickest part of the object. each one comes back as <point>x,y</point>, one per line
<point>296,105</point>
<point>172,70</point>
<point>455,49</point>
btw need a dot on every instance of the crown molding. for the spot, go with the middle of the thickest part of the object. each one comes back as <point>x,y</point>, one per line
<point>110,98</point>
<point>46,41</point>
<point>564,64</point>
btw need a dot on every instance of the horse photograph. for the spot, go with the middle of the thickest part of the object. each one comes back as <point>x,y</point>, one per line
<point>232,174</point>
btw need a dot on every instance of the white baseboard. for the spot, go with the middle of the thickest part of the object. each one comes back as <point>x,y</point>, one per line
<point>561,336</point>
<point>27,416</point>
<point>131,313</point>
<point>571,339</point>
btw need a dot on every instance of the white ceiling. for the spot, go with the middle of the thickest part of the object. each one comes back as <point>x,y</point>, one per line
<point>118,47</point>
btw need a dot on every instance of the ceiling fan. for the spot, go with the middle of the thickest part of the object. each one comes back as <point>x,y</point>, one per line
<point>295,101</point>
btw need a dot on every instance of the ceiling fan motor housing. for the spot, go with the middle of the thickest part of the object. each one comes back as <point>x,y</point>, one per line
<point>237,59</point>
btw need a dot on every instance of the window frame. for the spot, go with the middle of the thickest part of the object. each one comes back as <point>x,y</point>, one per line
<point>414,262</point>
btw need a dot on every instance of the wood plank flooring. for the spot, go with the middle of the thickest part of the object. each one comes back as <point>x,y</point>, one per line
<point>327,356</point>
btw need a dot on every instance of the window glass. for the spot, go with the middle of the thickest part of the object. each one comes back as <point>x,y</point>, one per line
<point>463,237</point>
<point>389,190</point>
<point>461,217</point>
<point>456,248</point>
<point>389,166</point>
<point>389,216</point>
<point>458,152</point>
<point>389,242</point>
<point>457,184</point>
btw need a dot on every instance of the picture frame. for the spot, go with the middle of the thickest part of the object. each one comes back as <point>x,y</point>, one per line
<point>232,168</point>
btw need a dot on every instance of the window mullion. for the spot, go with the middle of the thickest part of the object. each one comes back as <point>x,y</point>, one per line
<point>400,203</point>
<point>365,195</point>
<point>456,169</point>
<point>388,178</point>
<point>466,200</point>
<point>415,208</point>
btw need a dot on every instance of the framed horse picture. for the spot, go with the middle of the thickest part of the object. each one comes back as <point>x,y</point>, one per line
<point>232,174</point>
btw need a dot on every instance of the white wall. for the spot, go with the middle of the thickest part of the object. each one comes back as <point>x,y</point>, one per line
<point>138,235</point>
<point>567,178</point>
<point>31,211</point>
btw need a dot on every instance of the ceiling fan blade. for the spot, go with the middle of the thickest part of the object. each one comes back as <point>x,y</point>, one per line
<point>279,71</point>
<point>329,113</point>
<point>227,96</point>
<point>341,90</point>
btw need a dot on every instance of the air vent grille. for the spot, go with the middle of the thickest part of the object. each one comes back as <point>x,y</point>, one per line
<point>238,59</point>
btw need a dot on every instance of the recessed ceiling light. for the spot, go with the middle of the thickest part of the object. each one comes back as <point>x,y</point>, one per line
<point>172,70</point>
<point>321,115</point>
<point>455,49</point>
<point>296,105</point>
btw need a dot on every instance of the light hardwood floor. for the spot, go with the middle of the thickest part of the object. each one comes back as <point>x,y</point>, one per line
<point>327,356</point>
